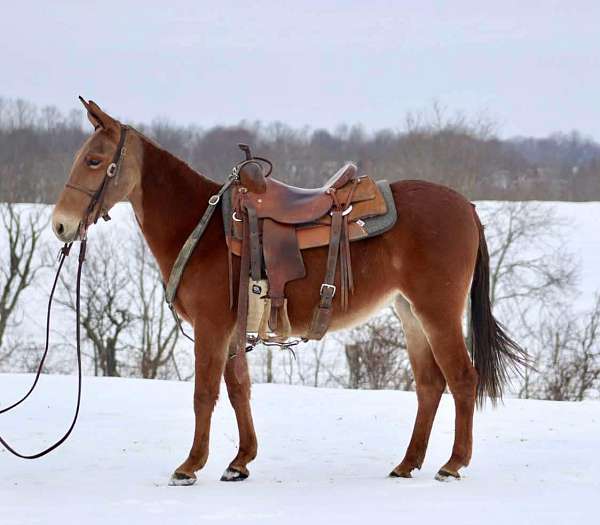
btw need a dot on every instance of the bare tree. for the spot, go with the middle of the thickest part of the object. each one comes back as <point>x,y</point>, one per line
<point>19,262</point>
<point>155,334</point>
<point>530,271</point>
<point>310,365</point>
<point>567,357</point>
<point>461,151</point>
<point>528,260</point>
<point>106,315</point>
<point>269,364</point>
<point>376,355</point>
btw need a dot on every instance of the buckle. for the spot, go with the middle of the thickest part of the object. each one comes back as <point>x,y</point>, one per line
<point>214,200</point>
<point>111,170</point>
<point>326,286</point>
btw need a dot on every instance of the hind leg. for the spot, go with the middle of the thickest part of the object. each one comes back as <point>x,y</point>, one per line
<point>443,329</point>
<point>430,385</point>
<point>239,396</point>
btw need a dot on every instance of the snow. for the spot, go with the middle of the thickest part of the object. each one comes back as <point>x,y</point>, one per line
<point>584,242</point>
<point>324,455</point>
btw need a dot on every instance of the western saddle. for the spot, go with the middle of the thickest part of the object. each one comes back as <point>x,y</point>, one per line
<point>271,223</point>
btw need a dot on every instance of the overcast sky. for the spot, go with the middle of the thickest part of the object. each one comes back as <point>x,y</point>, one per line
<point>533,66</point>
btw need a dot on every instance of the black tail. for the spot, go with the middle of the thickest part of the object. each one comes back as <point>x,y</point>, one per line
<point>495,355</point>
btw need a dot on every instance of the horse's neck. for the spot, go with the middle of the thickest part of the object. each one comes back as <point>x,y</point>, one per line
<point>170,202</point>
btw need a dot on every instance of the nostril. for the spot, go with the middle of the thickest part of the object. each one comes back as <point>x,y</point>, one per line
<point>60,229</point>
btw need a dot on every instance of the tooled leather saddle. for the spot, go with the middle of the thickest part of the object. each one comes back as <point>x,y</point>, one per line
<point>269,223</point>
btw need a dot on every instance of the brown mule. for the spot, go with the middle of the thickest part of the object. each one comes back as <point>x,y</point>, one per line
<point>426,264</point>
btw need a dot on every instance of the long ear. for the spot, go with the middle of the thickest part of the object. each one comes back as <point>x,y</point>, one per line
<point>97,117</point>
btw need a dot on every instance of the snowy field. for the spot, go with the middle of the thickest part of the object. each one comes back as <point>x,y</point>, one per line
<point>323,458</point>
<point>323,453</point>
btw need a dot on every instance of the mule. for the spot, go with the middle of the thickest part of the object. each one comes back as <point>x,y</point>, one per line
<point>426,266</point>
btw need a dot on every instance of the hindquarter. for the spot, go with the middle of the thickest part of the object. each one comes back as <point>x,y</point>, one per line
<point>428,256</point>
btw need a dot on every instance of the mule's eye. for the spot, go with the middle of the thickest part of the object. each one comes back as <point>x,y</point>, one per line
<point>93,163</point>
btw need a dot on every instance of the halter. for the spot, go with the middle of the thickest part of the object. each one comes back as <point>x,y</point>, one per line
<point>97,196</point>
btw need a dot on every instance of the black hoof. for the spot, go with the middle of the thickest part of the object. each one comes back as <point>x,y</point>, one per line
<point>394,474</point>
<point>179,479</point>
<point>233,474</point>
<point>446,475</point>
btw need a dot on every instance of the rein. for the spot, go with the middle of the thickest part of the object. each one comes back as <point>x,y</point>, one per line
<point>96,202</point>
<point>64,253</point>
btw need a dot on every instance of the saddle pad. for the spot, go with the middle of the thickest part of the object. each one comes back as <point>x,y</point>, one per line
<point>317,234</point>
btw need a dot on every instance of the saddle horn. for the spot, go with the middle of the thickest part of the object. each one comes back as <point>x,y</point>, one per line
<point>246,149</point>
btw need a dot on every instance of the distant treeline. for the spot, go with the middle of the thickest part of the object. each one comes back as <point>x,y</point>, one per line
<point>37,147</point>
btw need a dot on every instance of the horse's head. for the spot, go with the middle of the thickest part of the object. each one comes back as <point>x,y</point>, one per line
<point>104,172</point>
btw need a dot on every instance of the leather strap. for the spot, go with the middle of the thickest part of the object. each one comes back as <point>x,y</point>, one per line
<point>64,253</point>
<point>254,240</point>
<point>346,276</point>
<point>242,304</point>
<point>190,245</point>
<point>322,314</point>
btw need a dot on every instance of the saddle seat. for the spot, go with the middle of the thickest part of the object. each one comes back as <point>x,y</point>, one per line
<point>291,205</point>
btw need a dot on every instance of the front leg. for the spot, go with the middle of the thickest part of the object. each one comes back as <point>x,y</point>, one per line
<point>239,395</point>
<point>210,355</point>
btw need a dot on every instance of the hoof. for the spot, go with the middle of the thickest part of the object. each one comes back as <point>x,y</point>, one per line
<point>179,479</point>
<point>446,475</point>
<point>233,474</point>
<point>399,474</point>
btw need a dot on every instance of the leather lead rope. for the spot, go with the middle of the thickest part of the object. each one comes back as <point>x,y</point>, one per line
<point>64,253</point>
<point>96,203</point>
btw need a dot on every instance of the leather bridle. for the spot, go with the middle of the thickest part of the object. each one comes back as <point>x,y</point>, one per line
<point>96,203</point>
<point>98,196</point>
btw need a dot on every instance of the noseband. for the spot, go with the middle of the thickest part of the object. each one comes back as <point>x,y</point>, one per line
<point>97,196</point>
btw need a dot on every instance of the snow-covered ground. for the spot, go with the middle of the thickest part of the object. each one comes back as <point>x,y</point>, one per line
<point>323,458</point>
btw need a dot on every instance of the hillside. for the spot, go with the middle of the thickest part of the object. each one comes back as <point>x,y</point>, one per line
<point>579,239</point>
<point>323,458</point>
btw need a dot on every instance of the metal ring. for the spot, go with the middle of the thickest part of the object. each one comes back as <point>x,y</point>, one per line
<point>111,170</point>
<point>214,200</point>
<point>234,217</point>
